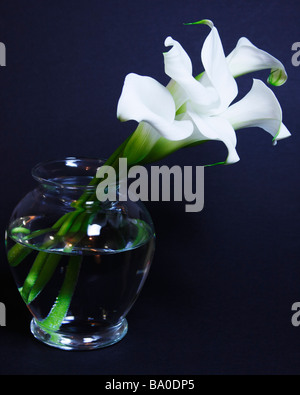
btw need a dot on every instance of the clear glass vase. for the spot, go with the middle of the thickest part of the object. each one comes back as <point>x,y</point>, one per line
<point>79,264</point>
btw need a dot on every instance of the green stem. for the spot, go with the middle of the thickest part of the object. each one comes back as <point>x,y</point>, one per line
<point>20,229</point>
<point>44,275</point>
<point>61,306</point>
<point>37,233</point>
<point>44,264</point>
<point>68,223</point>
<point>33,275</point>
<point>77,224</point>
<point>17,254</point>
<point>78,230</point>
<point>112,161</point>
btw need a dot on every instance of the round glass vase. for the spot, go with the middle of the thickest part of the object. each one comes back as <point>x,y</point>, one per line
<point>79,264</point>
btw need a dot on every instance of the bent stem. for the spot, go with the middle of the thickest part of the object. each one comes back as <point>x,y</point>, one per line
<point>39,277</point>
<point>45,263</point>
<point>60,308</point>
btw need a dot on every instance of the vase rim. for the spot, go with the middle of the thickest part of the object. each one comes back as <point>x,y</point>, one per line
<point>71,172</point>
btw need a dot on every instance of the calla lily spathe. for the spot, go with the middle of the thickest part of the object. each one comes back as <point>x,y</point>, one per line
<point>145,99</point>
<point>192,110</point>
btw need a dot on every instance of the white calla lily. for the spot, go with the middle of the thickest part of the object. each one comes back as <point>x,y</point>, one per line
<point>259,108</point>
<point>246,58</point>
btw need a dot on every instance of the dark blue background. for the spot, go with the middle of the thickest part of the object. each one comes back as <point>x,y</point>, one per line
<point>219,295</point>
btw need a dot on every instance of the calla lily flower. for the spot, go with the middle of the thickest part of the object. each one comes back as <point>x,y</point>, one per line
<point>192,110</point>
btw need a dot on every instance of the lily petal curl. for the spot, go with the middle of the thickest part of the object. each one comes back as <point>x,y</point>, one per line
<point>259,108</point>
<point>145,99</point>
<point>246,58</point>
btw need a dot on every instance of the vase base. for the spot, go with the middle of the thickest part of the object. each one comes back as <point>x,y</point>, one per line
<point>80,341</point>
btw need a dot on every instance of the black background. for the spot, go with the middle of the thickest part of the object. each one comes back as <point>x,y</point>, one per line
<point>219,295</point>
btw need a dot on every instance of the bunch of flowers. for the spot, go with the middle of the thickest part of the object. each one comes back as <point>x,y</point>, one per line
<point>192,110</point>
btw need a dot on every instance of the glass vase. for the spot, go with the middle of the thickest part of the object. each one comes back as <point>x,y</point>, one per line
<point>79,264</point>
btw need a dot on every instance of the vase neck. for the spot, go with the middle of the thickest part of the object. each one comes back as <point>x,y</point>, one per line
<point>70,174</point>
